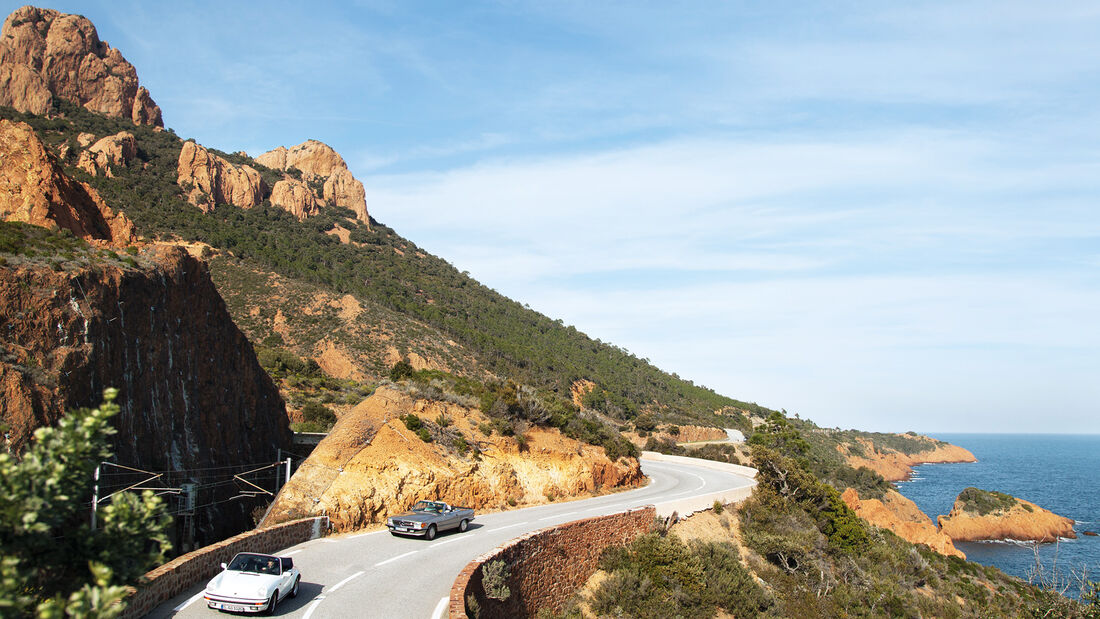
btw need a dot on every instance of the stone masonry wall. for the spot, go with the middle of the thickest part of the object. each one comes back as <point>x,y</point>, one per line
<point>183,572</point>
<point>548,566</point>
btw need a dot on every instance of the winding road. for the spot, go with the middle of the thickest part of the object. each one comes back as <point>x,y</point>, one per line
<point>374,574</point>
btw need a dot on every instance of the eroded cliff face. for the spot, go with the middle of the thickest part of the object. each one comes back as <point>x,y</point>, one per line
<point>318,163</point>
<point>46,53</point>
<point>904,518</point>
<point>371,466</point>
<point>34,189</point>
<point>898,466</point>
<point>1023,521</point>
<point>211,180</point>
<point>152,325</point>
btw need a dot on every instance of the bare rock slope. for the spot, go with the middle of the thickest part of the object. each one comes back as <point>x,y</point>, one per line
<point>904,518</point>
<point>46,53</point>
<point>371,465</point>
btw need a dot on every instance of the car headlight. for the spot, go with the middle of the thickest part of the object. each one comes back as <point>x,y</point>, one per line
<point>262,592</point>
<point>420,525</point>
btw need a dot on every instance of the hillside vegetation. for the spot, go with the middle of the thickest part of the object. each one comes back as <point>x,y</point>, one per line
<point>419,293</point>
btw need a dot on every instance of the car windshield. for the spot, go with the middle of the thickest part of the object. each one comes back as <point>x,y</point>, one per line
<point>255,564</point>
<point>428,506</point>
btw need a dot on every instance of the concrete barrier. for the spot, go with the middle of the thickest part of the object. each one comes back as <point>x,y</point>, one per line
<point>185,571</point>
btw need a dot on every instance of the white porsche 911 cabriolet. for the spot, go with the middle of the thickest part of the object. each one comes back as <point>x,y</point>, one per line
<point>253,583</point>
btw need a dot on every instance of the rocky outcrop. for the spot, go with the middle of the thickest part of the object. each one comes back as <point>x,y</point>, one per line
<point>45,53</point>
<point>371,465</point>
<point>898,466</point>
<point>319,163</point>
<point>34,189</point>
<point>113,150</point>
<point>211,180</point>
<point>982,515</point>
<point>904,518</point>
<point>295,196</point>
<point>192,393</point>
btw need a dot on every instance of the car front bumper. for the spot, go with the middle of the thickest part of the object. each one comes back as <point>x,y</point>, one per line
<point>407,531</point>
<point>237,605</point>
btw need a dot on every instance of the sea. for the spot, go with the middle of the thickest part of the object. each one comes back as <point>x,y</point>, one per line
<point>1059,472</point>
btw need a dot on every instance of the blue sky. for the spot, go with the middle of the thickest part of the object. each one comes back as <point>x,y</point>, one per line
<point>880,216</point>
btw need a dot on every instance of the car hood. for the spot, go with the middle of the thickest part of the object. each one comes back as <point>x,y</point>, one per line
<point>242,584</point>
<point>416,516</point>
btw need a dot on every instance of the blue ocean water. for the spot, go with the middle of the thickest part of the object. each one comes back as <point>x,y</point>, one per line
<point>1056,471</point>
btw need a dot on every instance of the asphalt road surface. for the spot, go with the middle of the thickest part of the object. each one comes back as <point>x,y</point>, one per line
<point>379,575</point>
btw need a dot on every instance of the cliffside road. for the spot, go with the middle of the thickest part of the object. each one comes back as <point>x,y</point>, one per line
<point>377,575</point>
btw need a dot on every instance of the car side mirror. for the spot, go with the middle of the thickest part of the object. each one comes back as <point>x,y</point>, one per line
<point>223,566</point>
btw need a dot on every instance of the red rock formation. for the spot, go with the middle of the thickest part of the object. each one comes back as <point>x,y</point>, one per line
<point>192,393</point>
<point>213,180</point>
<point>317,161</point>
<point>46,53</point>
<point>113,150</point>
<point>296,197</point>
<point>898,466</point>
<point>904,518</point>
<point>370,466</point>
<point>1022,521</point>
<point>35,190</point>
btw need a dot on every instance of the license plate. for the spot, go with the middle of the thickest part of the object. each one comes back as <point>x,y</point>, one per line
<point>234,608</point>
<point>404,530</point>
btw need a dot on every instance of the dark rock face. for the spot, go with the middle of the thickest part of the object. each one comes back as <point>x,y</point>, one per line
<point>192,393</point>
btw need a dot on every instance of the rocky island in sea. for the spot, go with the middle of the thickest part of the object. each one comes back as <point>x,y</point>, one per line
<point>990,515</point>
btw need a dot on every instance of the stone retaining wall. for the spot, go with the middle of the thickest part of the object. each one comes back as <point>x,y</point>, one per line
<point>185,571</point>
<point>548,566</point>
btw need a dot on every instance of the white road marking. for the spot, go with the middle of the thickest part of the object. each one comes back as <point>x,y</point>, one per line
<point>518,524</point>
<point>192,600</point>
<point>328,541</point>
<point>440,609</point>
<point>559,516</point>
<point>411,552</point>
<point>366,534</point>
<point>313,606</point>
<point>345,581</point>
<point>453,539</point>
<point>292,552</point>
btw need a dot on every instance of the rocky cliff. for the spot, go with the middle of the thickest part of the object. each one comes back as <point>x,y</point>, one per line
<point>151,324</point>
<point>34,189</point>
<point>896,465</point>
<point>45,53</point>
<point>318,163</point>
<point>210,180</point>
<point>983,515</point>
<point>113,150</point>
<point>371,465</point>
<point>904,518</point>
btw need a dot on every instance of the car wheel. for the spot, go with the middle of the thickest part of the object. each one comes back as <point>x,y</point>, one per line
<point>272,603</point>
<point>294,591</point>
<point>462,526</point>
<point>431,532</point>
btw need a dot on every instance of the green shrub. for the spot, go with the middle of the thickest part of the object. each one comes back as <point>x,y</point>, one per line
<point>412,422</point>
<point>424,435</point>
<point>985,502</point>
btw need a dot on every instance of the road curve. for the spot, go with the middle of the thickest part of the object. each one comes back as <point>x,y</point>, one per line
<point>378,575</point>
